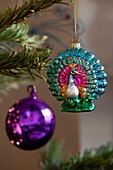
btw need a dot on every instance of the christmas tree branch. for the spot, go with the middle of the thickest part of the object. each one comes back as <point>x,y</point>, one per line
<point>53,156</point>
<point>18,14</point>
<point>18,34</point>
<point>93,159</point>
<point>23,63</point>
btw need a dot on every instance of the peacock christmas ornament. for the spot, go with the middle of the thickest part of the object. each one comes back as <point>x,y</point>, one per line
<point>76,77</point>
<point>30,122</point>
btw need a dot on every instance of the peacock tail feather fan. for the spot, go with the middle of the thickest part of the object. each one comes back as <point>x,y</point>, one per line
<point>77,77</point>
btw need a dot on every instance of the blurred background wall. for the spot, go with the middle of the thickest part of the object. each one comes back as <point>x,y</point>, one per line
<point>97,128</point>
<point>78,131</point>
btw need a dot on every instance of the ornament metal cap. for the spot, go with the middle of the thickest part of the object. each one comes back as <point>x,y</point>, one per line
<point>32,91</point>
<point>75,43</point>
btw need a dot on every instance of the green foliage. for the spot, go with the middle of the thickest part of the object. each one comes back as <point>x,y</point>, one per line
<point>18,14</point>
<point>93,159</point>
<point>52,157</point>
<point>18,34</point>
<point>24,63</point>
<point>11,31</point>
<point>14,63</point>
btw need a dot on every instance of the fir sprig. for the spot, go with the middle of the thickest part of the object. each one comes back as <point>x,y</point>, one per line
<point>18,34</point>
<point>18,14</point>
<point>93,159</point>
<point>52,158</point>
<point>23,63</point>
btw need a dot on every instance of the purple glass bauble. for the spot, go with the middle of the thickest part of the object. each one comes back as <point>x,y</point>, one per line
<point>30,123</point>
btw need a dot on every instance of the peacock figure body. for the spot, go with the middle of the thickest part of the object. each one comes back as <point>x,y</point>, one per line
<point>76,77</point>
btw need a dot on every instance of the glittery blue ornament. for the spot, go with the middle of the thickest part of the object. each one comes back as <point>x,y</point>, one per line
<point>76,77</point>
<point>30,122</point>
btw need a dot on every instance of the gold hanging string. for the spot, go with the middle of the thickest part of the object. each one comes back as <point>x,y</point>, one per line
<point>75,18</point>
<point>75,40</point>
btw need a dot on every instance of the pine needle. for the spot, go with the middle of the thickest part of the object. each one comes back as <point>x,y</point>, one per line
<point>21,13</point>
<point>18,34</point>
<point>23,63</point>
<point>92,159</point>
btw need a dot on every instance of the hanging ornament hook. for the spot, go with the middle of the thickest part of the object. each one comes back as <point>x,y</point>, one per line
<point>32,91</point>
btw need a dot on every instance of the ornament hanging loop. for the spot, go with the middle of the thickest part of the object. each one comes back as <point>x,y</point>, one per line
<point>32,91</point>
